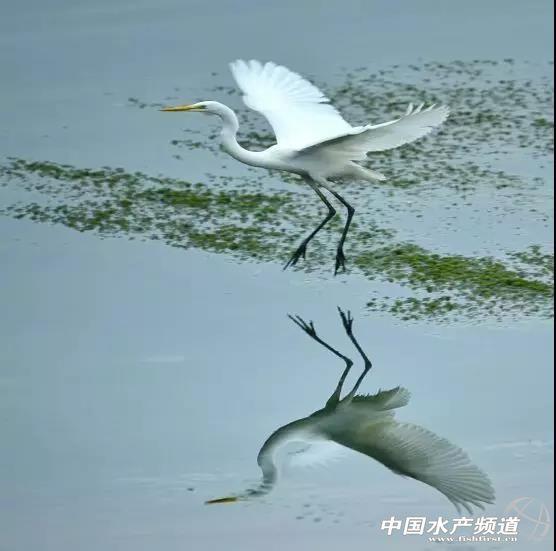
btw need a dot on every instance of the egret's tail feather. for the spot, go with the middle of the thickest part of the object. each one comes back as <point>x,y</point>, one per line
<point>374,175</point>
<point>362,173</point>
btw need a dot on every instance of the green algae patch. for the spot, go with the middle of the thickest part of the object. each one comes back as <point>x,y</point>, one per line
<point>254,224</point>
<point>459,283</point>
<point>535,262</point>
<point>111,201</point>
<point>482,175</point>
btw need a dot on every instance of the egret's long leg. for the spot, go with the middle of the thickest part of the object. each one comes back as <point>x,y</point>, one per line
<point>340,257</point>
<point>309,328</point>
<point>301,250</point>
<point>347,322</point>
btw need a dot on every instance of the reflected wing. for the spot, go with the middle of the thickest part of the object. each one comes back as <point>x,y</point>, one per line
<point>384,399</point>
<point>410,450</point>
<point>415,124</point>
<point>298,111</point>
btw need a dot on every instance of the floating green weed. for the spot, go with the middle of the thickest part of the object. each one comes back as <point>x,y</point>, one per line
<point>258,225</point>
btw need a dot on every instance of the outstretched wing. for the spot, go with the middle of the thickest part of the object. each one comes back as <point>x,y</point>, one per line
<point>298,111</point>
<point>384,399</point>
<point>416,123</point>
<point>413,451</point>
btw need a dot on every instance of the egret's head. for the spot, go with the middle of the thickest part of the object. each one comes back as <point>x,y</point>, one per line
<point>211,107</point>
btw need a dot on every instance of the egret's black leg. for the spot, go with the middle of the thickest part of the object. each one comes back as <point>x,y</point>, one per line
<point>340,257</point>
<point>347,322</point>
<point>301,250</point>
<point>309,328</point>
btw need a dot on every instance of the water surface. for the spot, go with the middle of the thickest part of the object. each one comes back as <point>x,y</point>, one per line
<point>139,380</point>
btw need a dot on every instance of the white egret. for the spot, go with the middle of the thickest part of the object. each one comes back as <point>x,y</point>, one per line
<point>313,139</point>
<point>366,424</point>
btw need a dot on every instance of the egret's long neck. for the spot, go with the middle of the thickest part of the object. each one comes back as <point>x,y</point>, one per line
<point>229,140</point>
<point>265,459</point>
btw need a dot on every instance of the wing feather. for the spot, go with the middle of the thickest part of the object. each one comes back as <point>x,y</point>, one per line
<point>384,399</point>
<point>299,113</point>
<point>414,451</point>
<point>414,124</point>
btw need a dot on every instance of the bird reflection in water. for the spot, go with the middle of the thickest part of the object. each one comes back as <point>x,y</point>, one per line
<point>366,423</point>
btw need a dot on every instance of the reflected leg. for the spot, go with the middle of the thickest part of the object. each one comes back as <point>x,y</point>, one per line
<point>309,328</point>
<point>347,322</point>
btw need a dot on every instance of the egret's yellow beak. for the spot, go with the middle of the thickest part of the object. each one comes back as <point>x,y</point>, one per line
<point>177,108</point>
<point>221,500</point>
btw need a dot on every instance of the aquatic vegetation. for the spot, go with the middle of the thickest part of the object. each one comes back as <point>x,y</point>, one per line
<point>255,224</point>
<point>464,179</point>
<point>457,283</point>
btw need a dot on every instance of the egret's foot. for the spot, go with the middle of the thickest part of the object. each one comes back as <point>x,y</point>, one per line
<point>309,328</point>
<point>299,253</point>
<point>340,262</point>
<point>347,320</point>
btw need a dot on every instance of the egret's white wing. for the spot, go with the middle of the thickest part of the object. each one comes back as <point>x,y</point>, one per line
<point>298,111</point>
<point>415,124</point>
<point>413,451</point>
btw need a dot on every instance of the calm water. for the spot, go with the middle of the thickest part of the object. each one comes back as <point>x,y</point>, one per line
<point>138,380</point>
